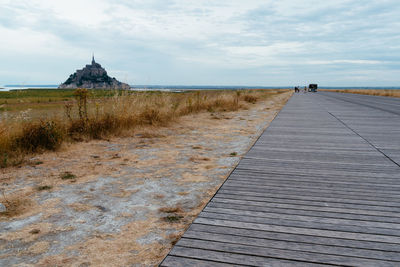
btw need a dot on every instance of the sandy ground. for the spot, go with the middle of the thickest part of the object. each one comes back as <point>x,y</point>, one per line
<point>125,201</point>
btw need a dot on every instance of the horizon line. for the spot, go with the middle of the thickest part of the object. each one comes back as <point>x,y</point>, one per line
<point>206,85</point>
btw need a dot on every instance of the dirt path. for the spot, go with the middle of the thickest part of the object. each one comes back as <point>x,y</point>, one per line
<point>125,201</point>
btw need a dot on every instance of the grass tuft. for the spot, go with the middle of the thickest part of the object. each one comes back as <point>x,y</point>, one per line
<point>36,163</point>
<point>171,210</point>
<point>34,231</point>
<point>174,214</point>
<point>250,99</point>
<point>173,218</point>
<point>67,176</point>
<point>37,136</point>
<point>16,205</point>
<point>44,187</point>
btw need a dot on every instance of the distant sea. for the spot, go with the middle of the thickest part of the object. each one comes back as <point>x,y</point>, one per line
<point>28,86</point>
<point>185,87</point>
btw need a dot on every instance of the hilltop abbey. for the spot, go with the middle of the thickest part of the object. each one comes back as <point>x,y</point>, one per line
<point>93,76</point>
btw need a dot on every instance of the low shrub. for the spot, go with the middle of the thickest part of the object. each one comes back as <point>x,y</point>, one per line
<point>100,127</point>
<point>150,116</point>
<point>250,99</point>
<point>41,135</point>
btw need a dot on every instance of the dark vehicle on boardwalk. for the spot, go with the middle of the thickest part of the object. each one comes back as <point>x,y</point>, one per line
<point>313,87</point>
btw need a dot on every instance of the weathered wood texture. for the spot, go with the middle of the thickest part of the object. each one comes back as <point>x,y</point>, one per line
<point>320,187</point>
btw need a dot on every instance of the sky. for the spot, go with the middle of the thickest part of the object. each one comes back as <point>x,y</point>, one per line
<point>203,42</point>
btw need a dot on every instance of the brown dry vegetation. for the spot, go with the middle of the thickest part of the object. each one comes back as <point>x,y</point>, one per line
<point>16,204</point>
<point>380,92</point>
<point>89,117</point>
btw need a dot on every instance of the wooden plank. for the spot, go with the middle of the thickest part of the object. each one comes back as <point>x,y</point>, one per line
<point>311,190</point>
<point>282,254</point>
<point>314,166</point>
<point>311,193</point>
<point>253,175</point>
<point>303,224</point>
<point>327,183</point>
<point>299,230</point>
<point>382,190</point>
<point>290,170</point>
<point>324,214</point>
<point>304,207</point>
<point>302,218</point>
<point>296,246</point>
<point>299,238</point>
<point>323,198</point>
<point>173,261</point>
<point>309,202</point>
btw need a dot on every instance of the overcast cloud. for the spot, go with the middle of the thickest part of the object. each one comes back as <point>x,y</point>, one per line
<point>203,42</point>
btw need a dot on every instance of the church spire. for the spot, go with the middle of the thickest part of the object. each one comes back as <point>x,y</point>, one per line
<point>93,62</point>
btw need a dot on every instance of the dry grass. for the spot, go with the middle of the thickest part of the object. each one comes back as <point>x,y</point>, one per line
<point>171,210</point>
<point>198,159</point>
<point>88,117</point>
<point>380,92</point>
<point>250,98</point>
<point>16,205</point>
<point>174,238</point>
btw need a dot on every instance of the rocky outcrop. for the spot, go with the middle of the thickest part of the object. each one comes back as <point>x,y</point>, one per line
<point>93,76</point>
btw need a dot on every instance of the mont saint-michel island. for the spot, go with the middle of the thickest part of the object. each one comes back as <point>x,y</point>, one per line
<point>93,76</point>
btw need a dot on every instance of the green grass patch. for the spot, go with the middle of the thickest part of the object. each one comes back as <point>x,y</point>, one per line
<point>67,176</point>
<point>52,94</point>
<point>173,218</point>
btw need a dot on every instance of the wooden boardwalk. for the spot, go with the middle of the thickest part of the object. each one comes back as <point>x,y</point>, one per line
<point>320,187</point>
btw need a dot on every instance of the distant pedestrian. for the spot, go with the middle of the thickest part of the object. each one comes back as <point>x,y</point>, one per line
<point>305,89</point>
